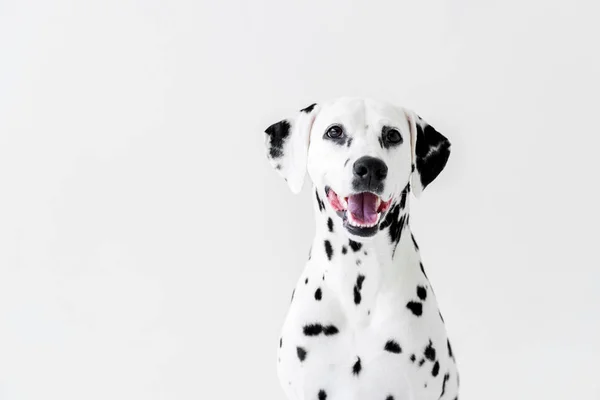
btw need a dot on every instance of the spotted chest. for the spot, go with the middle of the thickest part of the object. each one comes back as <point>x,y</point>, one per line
<point>355,332</point>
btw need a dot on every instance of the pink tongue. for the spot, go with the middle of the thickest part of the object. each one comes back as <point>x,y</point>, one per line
<point>363,207</point>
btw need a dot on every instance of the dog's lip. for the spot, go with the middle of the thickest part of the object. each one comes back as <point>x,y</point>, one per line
<point>353,224</point>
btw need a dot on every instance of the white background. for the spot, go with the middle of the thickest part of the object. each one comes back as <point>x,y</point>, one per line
<point>148,251</point>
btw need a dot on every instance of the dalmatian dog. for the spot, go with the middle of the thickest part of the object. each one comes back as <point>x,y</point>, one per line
<point>364,323</point>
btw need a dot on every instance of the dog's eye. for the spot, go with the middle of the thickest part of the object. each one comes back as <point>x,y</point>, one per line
<point>393,136</point>
<point>335,132</point>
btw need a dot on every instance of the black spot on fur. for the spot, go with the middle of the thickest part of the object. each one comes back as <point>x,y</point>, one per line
<point>421,362</point>
<point>344,249</point>
<point>423,269</point>
<point>446,378</point>
<point>301,353</point>
<point>389,397</point>
<point>330,224</point>
<point>293,292</point>
<point>436,369</point>
<point>330,330</point>
<point>357,288</point>
<point>412,358</point>
<point>356,367</point>
<point>306,281</point>
<point>357,296</point>
<point>421,292</point>
<point>431,152</point>
<point>355,246</point>
<point>349,142</point>
<point>450,353</point>
<point>318,294</point>
<point>278,167</point>
<point>309,108</point>
<point>414,241</point>
<point>280,342</point>
<point>317,329</point>
<point>404,196</point>
<point>415,307</point>
<point>396,229</point>
<point>322,395</point>
<point>328,250</point>
<point>358,262</point>
<point>359,281</point>
<point>313,329</point>
<point>320,202</point>
<point>393,347</point>
<point>278,134</point>
<point>429,352</point>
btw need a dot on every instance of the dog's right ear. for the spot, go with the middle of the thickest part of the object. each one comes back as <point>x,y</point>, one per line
<point>287,146</point>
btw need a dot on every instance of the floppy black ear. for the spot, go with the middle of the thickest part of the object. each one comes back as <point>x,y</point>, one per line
<point>431,151</point>
<point>287,146</point>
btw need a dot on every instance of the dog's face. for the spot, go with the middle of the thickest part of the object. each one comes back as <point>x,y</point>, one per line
<point>361,154</point>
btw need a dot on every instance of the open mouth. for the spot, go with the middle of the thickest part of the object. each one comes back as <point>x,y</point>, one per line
<point>361,212</point>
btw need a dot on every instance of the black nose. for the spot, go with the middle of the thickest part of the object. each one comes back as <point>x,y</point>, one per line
<point>370,171</point>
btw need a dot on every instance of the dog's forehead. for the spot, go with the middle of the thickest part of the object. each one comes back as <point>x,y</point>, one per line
<point>358,112</point>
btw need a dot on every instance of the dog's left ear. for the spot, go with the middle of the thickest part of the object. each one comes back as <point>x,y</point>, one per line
<point>287,146</point>
<point>430,152</point>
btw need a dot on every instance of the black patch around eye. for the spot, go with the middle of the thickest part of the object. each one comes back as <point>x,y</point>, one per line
<point>436,369</point>
<point>328,250</point>
<point>318,294</point>
<point>415,307</point>
<point>278,134</point>
<point>393,347</point>
<point>356,367</point>
<point>355,246</point>
<point>301,353</point>
<point>421,292</point>
<point>330,224</point>
<point>429,352</point>
<point>336,134</point>
<point>322,395</point>
<point>390,137</point>
<point>309,108</point>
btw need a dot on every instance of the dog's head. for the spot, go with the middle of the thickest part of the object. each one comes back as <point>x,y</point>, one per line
<point>363,155</point>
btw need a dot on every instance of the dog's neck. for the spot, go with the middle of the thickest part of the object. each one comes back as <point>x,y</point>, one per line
<point>387,258</point>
